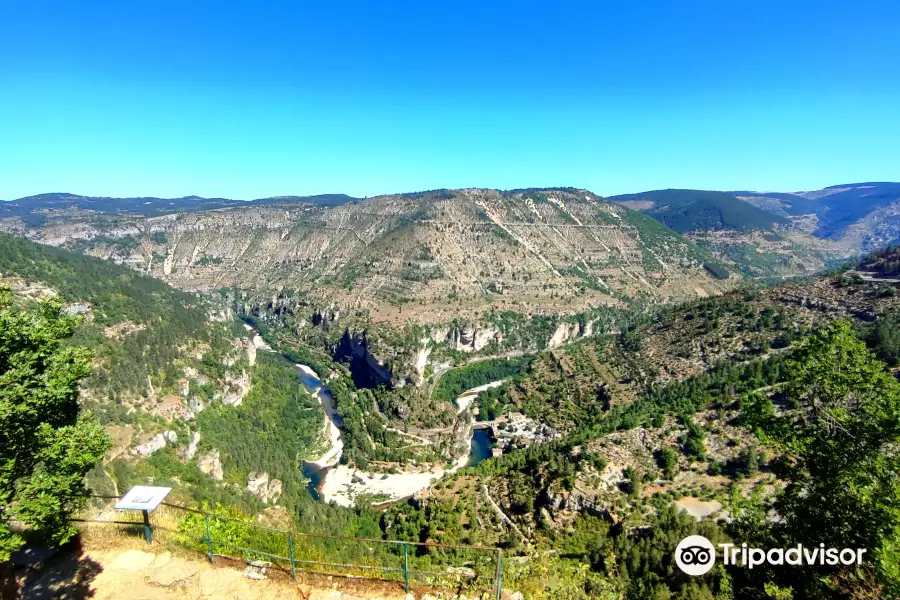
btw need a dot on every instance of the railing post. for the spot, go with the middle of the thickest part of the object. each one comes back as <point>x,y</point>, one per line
<point>499,573</point>
<point>148,532</point>
<point>406,566</point>
<point>291,555</point>
<point>209,540</point>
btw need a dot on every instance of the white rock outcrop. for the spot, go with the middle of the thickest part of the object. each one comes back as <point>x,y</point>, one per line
<point>262,487</point>
<point>569,332</point>
<point>191,450</point>
<point>158,442</point>
<point>485,336</point>
<point>562,335</point>
<point>471,338</point>
<point>420,361</point>
<point>211,464</point>
<point>237,389</point>
<point>251,352</point>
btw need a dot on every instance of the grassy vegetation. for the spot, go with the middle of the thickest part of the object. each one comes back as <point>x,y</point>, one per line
<point>458,380</point>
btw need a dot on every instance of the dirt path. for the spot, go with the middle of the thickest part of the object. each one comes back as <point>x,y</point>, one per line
<point>115,574</point>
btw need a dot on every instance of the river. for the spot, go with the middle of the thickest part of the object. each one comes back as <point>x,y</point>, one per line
<point>399,485</point>
<point>317,471</point>
<point>482,446</point>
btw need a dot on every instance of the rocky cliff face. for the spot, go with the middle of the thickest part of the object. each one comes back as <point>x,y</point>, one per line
<point>438,254</point>
<point>420,362</point>
<point>157,442</point>
<point>471,338</point>
<point>211,464</point>
<point>259,484</point>
<point>564,333</point>
<point>367,369</point>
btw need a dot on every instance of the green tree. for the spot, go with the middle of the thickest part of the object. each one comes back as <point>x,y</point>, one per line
<point>47,445</point>
<point>885,339</point>
<point>750,461</point>
<point>667,461</point>
<point>840,465</point>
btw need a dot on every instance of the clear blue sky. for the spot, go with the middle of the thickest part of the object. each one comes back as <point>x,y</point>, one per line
<point>254,99</point>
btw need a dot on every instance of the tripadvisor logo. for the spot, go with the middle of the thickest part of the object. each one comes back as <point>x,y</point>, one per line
<point>695,555</point>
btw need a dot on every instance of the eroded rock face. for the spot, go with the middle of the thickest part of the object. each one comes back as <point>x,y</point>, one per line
<point>191,450</point>
<point>251,352</point>
<point>367,369</point>
<point>158,442</point>
<point>419,362</point>
<point>263,488</point>
<point>579,501</point>
<point>195,404</point>
<point>569,332</point>
<point>588,329</point>
<point>472,338</point>
<point>562,335</point>
<point>485,336</point>
<point>211,464</point>
<point>237,389</point>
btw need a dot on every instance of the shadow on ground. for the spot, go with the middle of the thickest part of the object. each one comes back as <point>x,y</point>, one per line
<point>66,575</point>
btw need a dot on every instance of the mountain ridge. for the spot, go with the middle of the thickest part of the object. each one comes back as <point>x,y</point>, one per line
<point>686,210</point>
<point>151,205</point>
<point>547,249</point>
<point>422,252</point>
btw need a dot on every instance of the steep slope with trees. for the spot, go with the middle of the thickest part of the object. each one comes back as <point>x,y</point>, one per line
<point>700,210</point>
<point>174,379</point>
<point>47,444</point>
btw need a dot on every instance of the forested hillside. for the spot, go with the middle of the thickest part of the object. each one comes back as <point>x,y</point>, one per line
<point>670,416</point>
<point>684,436</point>
<point>700,210</point>
<point>619,431</point>
<point>180,388</point>
<point>139,327</point>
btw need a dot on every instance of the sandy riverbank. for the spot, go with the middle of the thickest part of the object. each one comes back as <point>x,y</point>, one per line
<point>465,399</point>
<point>340,488</point>
<point>332,431</point>
<point>333,455</point>
<point>338,485</point>
<point>308,371</point>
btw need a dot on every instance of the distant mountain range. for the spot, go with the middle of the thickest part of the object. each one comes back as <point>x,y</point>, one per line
<point>835,209</point>
<point>150,206</point>
<point>547,247</point>
<point>698,210</point>
<point>435,253</point>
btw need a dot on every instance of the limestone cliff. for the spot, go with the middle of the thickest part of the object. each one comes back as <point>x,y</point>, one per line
<point>446,253</point>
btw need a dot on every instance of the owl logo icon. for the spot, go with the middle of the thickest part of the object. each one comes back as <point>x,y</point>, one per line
<point>695,555</point>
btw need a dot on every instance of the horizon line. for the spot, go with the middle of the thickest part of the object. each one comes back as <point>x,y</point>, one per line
<point>277,196</point>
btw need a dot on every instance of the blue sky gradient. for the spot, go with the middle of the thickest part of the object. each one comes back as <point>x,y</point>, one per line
<point>248,100</point>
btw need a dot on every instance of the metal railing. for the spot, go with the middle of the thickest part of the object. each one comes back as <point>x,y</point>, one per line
<point>396,560</point>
